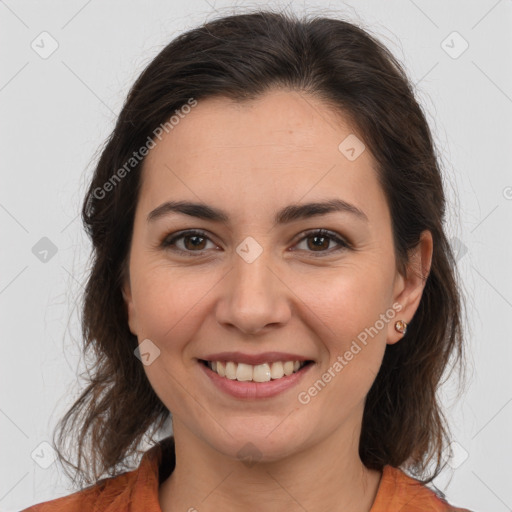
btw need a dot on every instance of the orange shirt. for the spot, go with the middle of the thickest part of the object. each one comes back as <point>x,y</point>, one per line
<point>137,490</point>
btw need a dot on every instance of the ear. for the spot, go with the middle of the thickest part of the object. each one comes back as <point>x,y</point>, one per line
<point>408,289</point>
<point>127,296</point>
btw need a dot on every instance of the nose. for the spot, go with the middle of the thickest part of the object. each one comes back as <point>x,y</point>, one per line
<point>254,296</point>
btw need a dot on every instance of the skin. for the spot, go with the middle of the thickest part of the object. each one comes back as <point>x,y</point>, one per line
<point>251,160</point>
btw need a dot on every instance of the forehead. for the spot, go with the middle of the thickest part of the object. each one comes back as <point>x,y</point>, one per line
<point>279,148</point>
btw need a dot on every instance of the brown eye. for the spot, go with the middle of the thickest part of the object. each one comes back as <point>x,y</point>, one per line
<point>319,241</point>
<point>193,241</point>
<point>196,242</point>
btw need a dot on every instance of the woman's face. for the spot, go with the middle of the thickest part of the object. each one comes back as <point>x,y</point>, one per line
<point>259,283</point>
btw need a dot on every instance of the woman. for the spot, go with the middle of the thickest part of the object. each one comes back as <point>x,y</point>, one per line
<point>270,268</point>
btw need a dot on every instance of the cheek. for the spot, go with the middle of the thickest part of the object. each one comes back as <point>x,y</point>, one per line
<point>348,300</point>
<point>167,300</point>
<point>354,312</point>
<point>168,308</point>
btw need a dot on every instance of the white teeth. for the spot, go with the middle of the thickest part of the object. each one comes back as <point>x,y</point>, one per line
<point>261,373</point>
<point>231,370</point>
<point>257,373</point>
<point>221,368</point>
<point>288,367</point>
<point>243,372</point>
<point>276,371</point>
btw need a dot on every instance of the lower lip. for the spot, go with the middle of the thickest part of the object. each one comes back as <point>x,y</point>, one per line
<point>251,390</point>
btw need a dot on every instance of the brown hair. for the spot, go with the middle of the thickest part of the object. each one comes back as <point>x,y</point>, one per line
<point>240,57</point>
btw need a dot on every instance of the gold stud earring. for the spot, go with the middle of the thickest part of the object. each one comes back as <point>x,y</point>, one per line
<point>401,326</point>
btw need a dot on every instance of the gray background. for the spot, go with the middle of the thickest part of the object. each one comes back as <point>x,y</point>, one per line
<point>57,110</point>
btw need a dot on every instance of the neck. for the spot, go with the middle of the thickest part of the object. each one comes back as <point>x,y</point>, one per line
<point>328,475</point>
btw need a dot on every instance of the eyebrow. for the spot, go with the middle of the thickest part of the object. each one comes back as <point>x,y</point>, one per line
<point>286,215</point>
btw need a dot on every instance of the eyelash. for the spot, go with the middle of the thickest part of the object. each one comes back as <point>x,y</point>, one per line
<point>168,243</point>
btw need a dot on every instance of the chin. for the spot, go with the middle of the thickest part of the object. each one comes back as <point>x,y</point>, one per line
<point>257,441</point>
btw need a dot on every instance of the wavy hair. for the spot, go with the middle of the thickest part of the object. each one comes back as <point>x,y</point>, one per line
<point>240,57</point>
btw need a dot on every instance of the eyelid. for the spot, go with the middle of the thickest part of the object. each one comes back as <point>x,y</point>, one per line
<point>343,243</point>
<point>171,238</point>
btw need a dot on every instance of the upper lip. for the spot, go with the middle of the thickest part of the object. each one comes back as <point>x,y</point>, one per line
<point>254,359</point>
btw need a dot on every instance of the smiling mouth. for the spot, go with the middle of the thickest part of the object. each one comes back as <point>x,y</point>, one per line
<point>255,373</point>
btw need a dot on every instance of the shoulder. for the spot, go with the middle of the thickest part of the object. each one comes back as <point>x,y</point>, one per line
<point>132,490</point>
<point>398,490</point>
<point>105,493</point>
